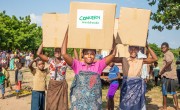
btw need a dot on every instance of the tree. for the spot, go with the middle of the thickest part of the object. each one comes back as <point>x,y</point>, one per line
<point>156,49</point>
<point>18,33</point>
<point>167,14</point>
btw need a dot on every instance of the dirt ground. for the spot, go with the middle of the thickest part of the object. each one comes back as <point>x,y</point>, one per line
<point>153,96</point>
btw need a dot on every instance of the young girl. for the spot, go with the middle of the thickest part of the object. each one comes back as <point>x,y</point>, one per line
<point>113,77</point>
<point>18,79</point>
<point>133,87</point>
<point>57,97</point>
<point>86,88</point>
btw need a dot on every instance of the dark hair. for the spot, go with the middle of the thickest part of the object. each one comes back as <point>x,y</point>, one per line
<point>57,49</point>
<point>18,65</point>
<point>155,62</point>
<point>84,50</point>
<point>166,44</point>
<point>38,60</point>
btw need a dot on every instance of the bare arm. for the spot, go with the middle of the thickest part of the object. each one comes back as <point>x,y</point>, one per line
<point>109,58</point>
<point>166,66</point>
<point>150,60</point>
<point>76,54</point>
<point>30,65</point>
<point>117,60</point>
<point>67,58</point>
<point>39,53</point>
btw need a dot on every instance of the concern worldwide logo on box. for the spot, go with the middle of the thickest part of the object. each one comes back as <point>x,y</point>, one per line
<point>90,19</point>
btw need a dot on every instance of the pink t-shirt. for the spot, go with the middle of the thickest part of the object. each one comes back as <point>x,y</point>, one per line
<point>96,67</point>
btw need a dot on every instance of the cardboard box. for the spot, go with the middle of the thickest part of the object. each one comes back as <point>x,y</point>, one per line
<point>54,28</point>
<point>116,35</point>
<point>133,26</point>
<point>91,25</point>
<point>122,50</point>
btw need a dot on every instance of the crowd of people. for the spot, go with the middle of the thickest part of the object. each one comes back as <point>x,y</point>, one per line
<point>86,90</point>
<point>10,61</point>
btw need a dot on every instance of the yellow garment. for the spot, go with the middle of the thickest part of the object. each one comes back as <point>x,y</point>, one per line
<point>6,73</point>
<point>39,79</point>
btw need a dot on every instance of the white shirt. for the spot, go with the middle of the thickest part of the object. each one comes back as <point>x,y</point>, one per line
<point>144,70</point>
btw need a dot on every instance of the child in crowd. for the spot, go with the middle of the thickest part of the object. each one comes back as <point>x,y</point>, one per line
<point>86,88</point>
<point>113,77</point>
<point>7,75</point>
<point>156,73</point>
<point>18,79</point>
<point>2,81</point>
<point>39,84</point>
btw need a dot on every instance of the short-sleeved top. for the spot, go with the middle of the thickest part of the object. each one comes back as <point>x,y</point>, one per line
<point>39,79</point>
<point>18,75</point>
<point>5,72</point>
<point>59,68</point>
<point>2,78</point>
<point>96,67</point>
<point>169,73</point>
<point>156,71</point>
<point>113,73</point>
<point>132,68</point>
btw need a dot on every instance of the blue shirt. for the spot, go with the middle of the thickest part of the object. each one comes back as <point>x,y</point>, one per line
<point>98,56</point>
<point>156,71</point>
<point>113,73</point>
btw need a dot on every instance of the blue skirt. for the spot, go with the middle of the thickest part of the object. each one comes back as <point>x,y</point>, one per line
<point>133,94</point>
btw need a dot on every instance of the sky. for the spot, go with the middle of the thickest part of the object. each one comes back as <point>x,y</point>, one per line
<point>35,8</point>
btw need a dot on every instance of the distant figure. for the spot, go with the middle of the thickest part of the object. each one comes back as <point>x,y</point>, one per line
<point>156,70</point>
<point>178,68</point>
<point>28,60</point>
<point>98,55</point>
<point>2,81</point>
<point>11,62</point>
<point>7,75</point>
<point>18,79</point>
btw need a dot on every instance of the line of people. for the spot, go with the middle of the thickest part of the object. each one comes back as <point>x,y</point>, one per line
<point>86,91</point>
